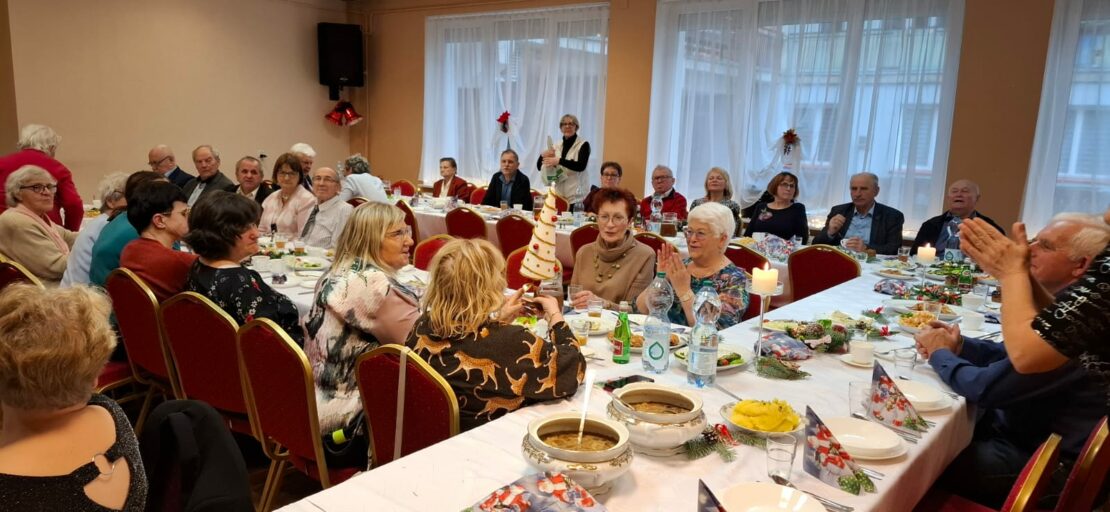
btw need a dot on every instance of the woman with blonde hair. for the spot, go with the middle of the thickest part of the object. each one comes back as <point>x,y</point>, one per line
<point>359,305</point>
<point>62,447</point>
<point>27,235</point>
<point>466,324</point>
<point>718,189</point>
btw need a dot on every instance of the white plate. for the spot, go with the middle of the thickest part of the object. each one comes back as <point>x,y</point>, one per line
<point>847,359</point>
<point>308,283</point>
<point>726,415</point>
<point>767,497</point>
<point>603,325</point>
<point>894,263</point>
<point>310,263</point>
<point>904,305</point>
<point>901,276</point>
<point>924,397</point>
<point>747,355</point>
<point>640,350</point>
<point>863,438</point>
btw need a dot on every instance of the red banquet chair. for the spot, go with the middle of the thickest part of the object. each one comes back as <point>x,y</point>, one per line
<point>281,397</point>
<point>1088,476</point>
<point>561,203</point>
<point>401,422</point>
<point>651,240</point>
<point>12,272</point>
<point>1024,494</point>
<point>478,195</point>
<point>513,278</point>
<point>465,223</point>
<point>357,201</point>
<point>426,250</point>
<point>513,232</point>
<point>410,219</point>
<point>819,267</point>
<point>405,186</point>
<point>537,198</point>
<point>745,258</point>
<point>585,234</point>
<point>201,338</point>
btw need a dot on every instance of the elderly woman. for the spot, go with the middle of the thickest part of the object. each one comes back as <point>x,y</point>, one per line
<point>781,216</point>
<point>224,232</point>
<point>615,267</point>
<point>359,305</point>
<point>611,173</point>
<point>360,183</point>
<point>112,200</point>
<point>718,189</point>
<point>37,145</point>
<point>62,447</point>
<point>27,235</point>
<point>707,235</point>
<point>286,210</point>
<point>119,232</point>
<point>458,331</point>
<point>566,161</point>
<point>450,185</point>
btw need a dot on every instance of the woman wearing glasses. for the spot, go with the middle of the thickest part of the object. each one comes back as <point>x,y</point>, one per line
<point>615,267</point>
<point>707,235</point>
<point>359,304</point>
<point>288,207</point>
<point>611,174</point>
<point>565,162</point>
<point>27,235</point>
<point>780,216</point>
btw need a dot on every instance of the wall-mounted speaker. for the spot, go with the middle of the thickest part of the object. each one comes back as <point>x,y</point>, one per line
<point>340,54</point>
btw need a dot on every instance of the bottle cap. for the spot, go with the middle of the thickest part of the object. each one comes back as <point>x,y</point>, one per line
<point>339,437</point>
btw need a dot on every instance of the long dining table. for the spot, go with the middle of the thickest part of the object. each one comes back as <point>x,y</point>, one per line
<point>457,472</point>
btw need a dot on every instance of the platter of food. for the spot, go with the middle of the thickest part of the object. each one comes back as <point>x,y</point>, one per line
<point>761,417</point>
<point>728,357</point>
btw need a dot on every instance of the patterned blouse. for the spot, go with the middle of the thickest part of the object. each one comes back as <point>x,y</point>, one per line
<point>1077,323</point>
<point>512,366</point>
<point>243,294</point>
<point>732,288</point>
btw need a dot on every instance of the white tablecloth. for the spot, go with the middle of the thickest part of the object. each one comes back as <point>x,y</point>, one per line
<point>457,472</point>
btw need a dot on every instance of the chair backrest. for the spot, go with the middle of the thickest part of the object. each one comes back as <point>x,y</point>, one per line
<point>406,187</point>
<point>410,218</point>
<point>513,278</point>
<point>582,235</point>
<point>465,223</point>
<point>1034,477</point>
<point>201,338</point>
<point>404,419</point>
<point>478,195</point>
<point>357,201</point>
<point>561,204</point>
<point>1088,475</point>
<point>537,197</point>
<point>819,267</point>
<point>426,250</point>
<point>513,232</point>
<point>136,311</point>
<point>281,394</point>
<point>467,191</point>
<point>745,258</point>
<point>12,273</point>
<point>651,240</point>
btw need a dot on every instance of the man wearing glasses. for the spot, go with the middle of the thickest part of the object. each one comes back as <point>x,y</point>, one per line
<point>209,178</point>
<point>662,183</point>
<point>161,160</point>
<point>328,217</point>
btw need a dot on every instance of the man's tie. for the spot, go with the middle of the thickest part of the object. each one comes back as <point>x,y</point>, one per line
<point>311,221</point>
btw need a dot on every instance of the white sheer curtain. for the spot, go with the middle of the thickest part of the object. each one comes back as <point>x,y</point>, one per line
<point>535,64</point>
<point>1070,166</point>
<point>867,84</point>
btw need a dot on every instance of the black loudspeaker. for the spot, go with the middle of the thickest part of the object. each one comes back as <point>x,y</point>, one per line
<point>340,54</point>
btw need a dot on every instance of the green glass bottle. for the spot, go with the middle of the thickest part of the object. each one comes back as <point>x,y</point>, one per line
<point>622,340</point>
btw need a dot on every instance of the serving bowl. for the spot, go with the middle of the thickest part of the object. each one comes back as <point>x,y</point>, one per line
<point>594,470</point>
<point>658,434</point>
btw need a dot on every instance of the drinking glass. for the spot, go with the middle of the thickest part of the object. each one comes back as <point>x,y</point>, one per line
<point>861,256</point>
<point>932,306</point>
<point>780,455</point>
<point>504,205</point>
<point>573,290</point>
<point>905,360</point>
<point>859,394</point>
<point>594,307</point>
<point>903,254</point>
<point>279,241</point>
<point>581,329</point>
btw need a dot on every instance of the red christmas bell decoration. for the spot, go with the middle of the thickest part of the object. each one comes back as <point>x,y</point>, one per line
<point>343,114</point>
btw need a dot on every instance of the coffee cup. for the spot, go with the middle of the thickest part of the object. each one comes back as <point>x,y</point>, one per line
<point>863,352</point>
<point>972,301</point>
<point>260,263</point>
<point>973,321</point>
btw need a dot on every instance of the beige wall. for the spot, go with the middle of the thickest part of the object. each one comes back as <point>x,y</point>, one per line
<point>115,77</point>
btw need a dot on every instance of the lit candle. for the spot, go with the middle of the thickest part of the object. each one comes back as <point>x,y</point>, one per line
<point>926,254</point>
<point>765,281</point>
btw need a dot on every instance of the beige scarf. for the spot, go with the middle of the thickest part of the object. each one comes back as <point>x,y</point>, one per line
<point>48,226</point>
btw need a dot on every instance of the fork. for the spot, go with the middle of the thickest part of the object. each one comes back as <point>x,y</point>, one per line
<point>829,504</point>
<point>727,392</point>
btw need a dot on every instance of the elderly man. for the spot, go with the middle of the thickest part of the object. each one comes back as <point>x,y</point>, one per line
<point>328,217</point>
<point>161,160</point>
<point>863,223</point>
<point>305,154</point>
<point>209,178</point>
<point>509,185</point>
<point>161,217</point>
<point>662,184</point>
<point>37,144</point>
<point>248,171</point>
<point>361,183</point>
<point>961,198</point>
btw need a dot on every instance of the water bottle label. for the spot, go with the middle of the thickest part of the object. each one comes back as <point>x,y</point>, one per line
<point>656,351</point>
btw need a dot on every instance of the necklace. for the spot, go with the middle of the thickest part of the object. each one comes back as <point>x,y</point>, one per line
<point>614,266</point>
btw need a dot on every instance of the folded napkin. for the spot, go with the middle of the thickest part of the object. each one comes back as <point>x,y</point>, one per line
<point>894,287</point>
<point>541,492</point>
<point>775,247</point>
<point>707,502</point>
<point>783,347</point>
<point>889,406</point>
<point>824,458</point>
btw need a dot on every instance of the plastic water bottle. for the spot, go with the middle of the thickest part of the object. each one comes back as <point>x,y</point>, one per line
<point>702,358</point>
<point>657,329</point>
<point>952,245</point>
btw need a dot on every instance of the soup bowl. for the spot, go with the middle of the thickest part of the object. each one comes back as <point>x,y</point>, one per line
<point>658,433</point>
<point>593,469</point>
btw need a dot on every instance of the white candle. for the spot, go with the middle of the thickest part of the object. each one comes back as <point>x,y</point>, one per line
<point>765,281</point>
<point>926,254</point>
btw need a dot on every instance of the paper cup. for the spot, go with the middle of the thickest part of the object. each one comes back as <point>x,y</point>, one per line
<point>973,321</point>
<point>863,352</point>
<point>260,263</point>
<point>972,301</point>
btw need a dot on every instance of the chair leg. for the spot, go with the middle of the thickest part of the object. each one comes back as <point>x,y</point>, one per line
<point>268,504</point>
<point>141,420</point>
<point>266,486</point>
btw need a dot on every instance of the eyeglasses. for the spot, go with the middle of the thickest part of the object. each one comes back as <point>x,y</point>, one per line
<point>38,189</point>
<point>404,232</point>
<point>661,178</point>
<point>288,173</point>
<point>154,165</point>
<point>608,175</point>
<point>324,179</point>
<point>698,235</point>
<point>615,219</point>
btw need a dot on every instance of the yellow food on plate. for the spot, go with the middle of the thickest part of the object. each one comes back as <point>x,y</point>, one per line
<point>637,340</point>
<point>917,320</point>
<point>944,309</point>
<point>762,416</point>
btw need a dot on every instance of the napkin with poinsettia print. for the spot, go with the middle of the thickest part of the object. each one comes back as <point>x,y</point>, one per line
<point>707,501</point>
<point>825,459</point>
<point>889,406</point>
<point>541,492</point>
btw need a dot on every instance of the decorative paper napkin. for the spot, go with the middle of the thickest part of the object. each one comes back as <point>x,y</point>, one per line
<point>541,492</point>
<point>775,247</point>
<point>707,502</point>
<point>894,287</point>
<point>783,347</point>
<point>889,406</point>
<point>825,459</point>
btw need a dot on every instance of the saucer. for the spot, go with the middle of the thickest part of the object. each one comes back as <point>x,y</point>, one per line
<point>847,359</point>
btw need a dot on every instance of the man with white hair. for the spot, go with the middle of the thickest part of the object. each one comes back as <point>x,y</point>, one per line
<point>209,178</point>
<point>162,161</point>
<point>1062,251</point>
<point>305,154</point>
<point>328,217</point>
<point>961,198</point>
<point>37,144</point>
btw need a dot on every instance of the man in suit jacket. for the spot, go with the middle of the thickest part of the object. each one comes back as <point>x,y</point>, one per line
<point>962,196</point>
<point>162,161</point>
<point>510,184</point>
<point>209,178</point>
<point>865,223</point>
<point>248,171</point>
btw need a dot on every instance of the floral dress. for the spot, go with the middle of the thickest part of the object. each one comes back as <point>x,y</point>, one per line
<point>732,288</point>
<point>243,294</point>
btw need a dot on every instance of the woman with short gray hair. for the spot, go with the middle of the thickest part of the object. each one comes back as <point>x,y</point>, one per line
<point>27,235</point>
<point>112,201</point>
<point>37,144</point>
